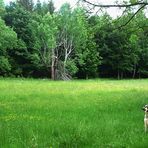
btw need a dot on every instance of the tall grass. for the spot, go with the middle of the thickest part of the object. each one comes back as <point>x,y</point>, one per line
<point>93,113</point>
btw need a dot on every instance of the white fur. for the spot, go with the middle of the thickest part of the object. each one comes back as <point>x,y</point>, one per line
<point>146,121</point>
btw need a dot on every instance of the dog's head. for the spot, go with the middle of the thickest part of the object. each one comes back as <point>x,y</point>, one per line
<point>145,108</point>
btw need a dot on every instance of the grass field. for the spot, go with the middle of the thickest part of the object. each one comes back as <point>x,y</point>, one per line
<point>74,114</point>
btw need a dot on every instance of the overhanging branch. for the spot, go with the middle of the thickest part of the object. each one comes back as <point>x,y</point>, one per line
<point>115,5</point>
<point>139,4</point>
<point>132,17</point>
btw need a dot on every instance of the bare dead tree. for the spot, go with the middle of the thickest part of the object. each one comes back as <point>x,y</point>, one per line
<point>139,5</point>
<point>60,55</point>
<point>65,51</point>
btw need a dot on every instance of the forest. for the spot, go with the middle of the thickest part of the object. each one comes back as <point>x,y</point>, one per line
<point>39,41</point>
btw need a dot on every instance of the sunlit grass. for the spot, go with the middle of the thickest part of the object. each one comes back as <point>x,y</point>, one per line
<point>93,113</point>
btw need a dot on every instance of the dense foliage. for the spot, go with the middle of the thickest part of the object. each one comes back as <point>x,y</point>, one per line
<point>36,41</point>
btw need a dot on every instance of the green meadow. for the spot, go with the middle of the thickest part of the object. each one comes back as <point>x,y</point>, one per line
<point>74,114</point>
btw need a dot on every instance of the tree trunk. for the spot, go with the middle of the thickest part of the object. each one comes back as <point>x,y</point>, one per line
<point>118,75</point>
<point>139,75</point>
<point>64,67</point>
<point>53,65</point>
<point>65,61</point>
<point>87,76</point>
<point>134,71</point>
<point>52,71</point>
<point>121,75</point>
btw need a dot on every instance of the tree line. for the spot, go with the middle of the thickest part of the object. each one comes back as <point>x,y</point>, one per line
<point>37,41</point>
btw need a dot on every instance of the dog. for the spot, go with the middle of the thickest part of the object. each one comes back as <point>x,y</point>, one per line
<point>145,108</point>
